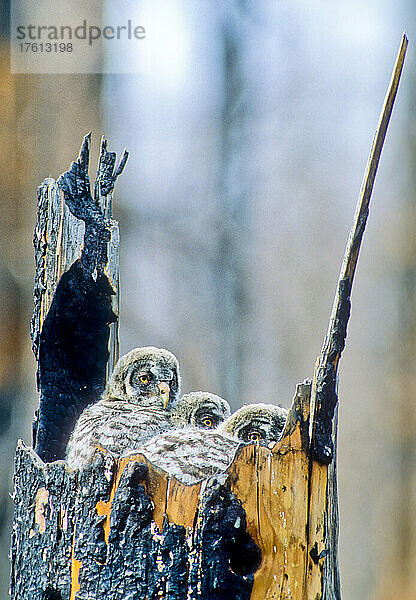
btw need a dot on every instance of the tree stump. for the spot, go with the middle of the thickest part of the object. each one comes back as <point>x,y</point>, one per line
<point>125,529</point>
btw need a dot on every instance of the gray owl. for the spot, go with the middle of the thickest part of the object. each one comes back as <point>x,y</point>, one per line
<point>200,409</point>
<point>260,423</point>
<point>134,407</point>
<point>192,455</point>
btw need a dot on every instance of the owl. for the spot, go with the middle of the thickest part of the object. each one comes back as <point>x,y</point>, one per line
<point>192,455</point>
<point>135,406</point>
<point>200,409</point>
<point>260,423</point>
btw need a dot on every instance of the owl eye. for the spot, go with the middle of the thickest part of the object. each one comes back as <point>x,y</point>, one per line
<point>254,436</point>
<point>207,422</point>
<point>144,378</point>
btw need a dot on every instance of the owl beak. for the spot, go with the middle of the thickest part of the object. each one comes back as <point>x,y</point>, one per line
<point>164,391</point>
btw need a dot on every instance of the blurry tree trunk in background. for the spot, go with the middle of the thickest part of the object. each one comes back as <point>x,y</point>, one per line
<point>406,423</point>
<point>399,558</point>
<point>406,371</point>
<point>230,272</point>
<point>68,106</point>
<point>15,319</point>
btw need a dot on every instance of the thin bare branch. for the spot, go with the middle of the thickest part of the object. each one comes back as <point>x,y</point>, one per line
<point>324,397</point>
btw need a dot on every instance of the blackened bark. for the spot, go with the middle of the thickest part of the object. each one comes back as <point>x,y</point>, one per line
<point>73,354</point>
<point>59,543</point>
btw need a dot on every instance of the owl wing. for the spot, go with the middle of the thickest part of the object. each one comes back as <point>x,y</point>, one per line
<point>191,454</point>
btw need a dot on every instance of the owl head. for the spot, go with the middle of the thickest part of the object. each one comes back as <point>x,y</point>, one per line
<point>256,423</point>
<point>200,409</point>
<point>145,376</point>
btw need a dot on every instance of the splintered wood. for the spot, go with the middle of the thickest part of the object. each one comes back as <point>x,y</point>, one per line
<point>58,242</point>
<point>132,529</point>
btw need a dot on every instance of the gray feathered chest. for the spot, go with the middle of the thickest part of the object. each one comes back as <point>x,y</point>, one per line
<point>118,426</point>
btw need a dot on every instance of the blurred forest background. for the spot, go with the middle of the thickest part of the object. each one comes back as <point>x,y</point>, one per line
<point>248,140</point>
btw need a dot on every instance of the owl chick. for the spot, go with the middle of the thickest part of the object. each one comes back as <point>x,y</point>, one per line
<point>134,406</point>
<point>261,423</point>
<point>200,409</point>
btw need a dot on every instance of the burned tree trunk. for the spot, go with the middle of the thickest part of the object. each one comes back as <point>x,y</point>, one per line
<point>123,529</point>
<point>74,326</point>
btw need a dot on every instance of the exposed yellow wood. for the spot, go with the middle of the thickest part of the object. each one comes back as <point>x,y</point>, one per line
<point>104,510</point>
<point>171,499</point>
<point>244,484</point>
<point>157,488</point>
<point>42,498</point>
<point>75,568</point>
<point>182,503</point>
<point>275,497</point>
<point>316,517</point>
<point>273,488</point>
